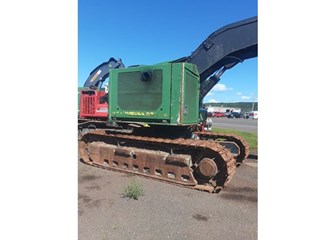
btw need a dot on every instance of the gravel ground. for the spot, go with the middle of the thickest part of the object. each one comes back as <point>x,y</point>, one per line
<point>165,211</point>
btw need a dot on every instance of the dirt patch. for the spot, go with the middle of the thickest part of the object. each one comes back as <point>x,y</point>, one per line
<point>80,212</point>
<point>96,187</point>
<point>200,217</point>
<point>240,194</point>
<point>84,198</point>
<point>88,178</point>
<point>95,204</point>
<point>89,202</point>
<point>239,197</point>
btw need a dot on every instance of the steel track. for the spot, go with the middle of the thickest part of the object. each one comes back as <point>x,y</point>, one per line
<point>241,146</point>
<point>222,138</point>
<point>197,164</point>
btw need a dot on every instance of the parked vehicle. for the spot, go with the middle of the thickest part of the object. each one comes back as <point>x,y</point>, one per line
<point>233,115</point>
<point>218,114</point>
<point>253,114</point>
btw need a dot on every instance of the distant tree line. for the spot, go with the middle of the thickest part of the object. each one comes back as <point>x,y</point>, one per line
<point>244,106</point>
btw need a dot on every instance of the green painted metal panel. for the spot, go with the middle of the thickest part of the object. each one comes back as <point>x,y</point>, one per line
<point>166,93</point>
<point>185,94</point>
<point>176,97</point>
<point>133,98</point>
<point>191,96</point>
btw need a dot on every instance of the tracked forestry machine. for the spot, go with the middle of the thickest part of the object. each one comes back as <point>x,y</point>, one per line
<point>149,121</point>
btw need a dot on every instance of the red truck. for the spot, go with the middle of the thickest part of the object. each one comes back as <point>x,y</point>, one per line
<point>218,114</point>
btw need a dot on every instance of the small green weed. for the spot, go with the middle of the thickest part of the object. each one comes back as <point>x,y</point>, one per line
<point>133,190</point>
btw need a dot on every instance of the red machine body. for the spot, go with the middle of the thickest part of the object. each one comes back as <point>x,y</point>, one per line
<point>90,106</point>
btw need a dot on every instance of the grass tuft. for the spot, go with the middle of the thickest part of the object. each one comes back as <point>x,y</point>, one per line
<point>133,190</point>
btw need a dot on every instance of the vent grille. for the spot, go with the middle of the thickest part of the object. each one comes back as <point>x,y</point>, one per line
<point>136,94</point>
<point>88,105</point>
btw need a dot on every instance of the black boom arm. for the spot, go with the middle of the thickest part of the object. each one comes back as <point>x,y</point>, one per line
<point>222,50</point>
<point>101,72</point>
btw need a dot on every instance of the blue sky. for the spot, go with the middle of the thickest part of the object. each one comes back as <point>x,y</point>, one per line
<point>149,32</point>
